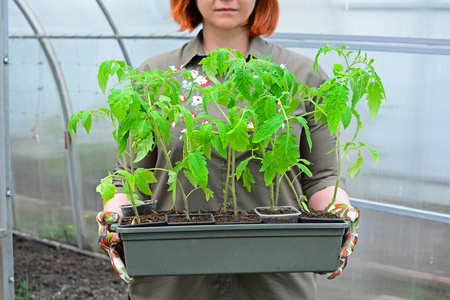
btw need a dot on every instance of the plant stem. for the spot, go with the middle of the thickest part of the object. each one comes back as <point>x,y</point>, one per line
<point>133,204</point>
<point>277,193</point>
<point>225,194</point>
<point>233,182</point>
<point>338,142</point>
<point>272,206</point>
<point>170,167</point>
<point>129,189</point>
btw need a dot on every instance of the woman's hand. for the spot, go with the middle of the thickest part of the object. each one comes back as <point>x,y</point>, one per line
<point>110,243</point>
<point>349,213</point>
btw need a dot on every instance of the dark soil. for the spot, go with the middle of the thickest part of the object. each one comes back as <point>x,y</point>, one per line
<point>280,211</point>
<point>193,219</point>
<point>58,273</point>
<point>153,218</point>
<point>319,214</point>
<point>240,219</point>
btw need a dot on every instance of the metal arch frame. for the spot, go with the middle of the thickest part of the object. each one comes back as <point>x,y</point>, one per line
<point>73,158</point>
<point>6,244</point>
<point>58,74</point>
<point>427,46</point>
<point>116,32</point>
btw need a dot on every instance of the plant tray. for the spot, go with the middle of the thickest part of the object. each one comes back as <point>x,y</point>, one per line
<point>232,249</point>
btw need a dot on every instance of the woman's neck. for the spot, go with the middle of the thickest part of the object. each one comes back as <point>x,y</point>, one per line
<point>238,40</point>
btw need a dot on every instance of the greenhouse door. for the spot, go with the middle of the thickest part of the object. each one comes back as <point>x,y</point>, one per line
<point>6,252</point>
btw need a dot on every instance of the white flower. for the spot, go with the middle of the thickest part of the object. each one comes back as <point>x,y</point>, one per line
<point>196,100</point>
<point>202,80</point>
<point>283,66</point>
<point>194,73</point>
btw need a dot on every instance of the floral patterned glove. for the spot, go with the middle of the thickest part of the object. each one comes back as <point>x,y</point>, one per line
<point>351,214</point>
<point>111,244</point>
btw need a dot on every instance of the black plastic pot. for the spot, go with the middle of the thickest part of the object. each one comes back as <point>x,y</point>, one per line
<point>218,222</point>
<point>149,207</point>
<point>146,224</point>
<point>192,221</point>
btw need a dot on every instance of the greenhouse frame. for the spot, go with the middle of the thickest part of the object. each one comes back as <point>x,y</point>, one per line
<point>51,54</point>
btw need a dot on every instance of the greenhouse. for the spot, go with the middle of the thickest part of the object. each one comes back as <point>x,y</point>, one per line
<point>49,176</point>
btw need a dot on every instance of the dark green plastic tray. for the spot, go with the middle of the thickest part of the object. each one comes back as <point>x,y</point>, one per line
<point>228,249</point>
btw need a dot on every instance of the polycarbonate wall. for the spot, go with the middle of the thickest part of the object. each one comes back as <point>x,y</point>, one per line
<point>56,47</point>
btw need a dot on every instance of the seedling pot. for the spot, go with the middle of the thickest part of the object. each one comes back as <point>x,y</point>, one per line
<point>279,218</point>
<point>194,217</point>
<point>149,207</point>
<point>231,249</point>
<point>143,224</point>
<point>219,219</point>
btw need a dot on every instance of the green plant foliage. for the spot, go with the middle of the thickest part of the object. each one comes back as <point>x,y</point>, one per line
<point>353,81</point>
<point>257,100</point>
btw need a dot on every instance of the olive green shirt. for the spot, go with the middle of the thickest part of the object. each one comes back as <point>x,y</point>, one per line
<point>323,167</point>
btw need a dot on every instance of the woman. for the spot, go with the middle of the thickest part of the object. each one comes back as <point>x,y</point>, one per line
<point>235,24</point>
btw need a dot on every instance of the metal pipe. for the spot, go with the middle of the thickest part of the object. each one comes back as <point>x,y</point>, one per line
<point>74,169</point>
<point>116,31</point>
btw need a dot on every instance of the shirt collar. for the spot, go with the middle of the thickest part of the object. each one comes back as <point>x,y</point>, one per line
<point>194,48</point>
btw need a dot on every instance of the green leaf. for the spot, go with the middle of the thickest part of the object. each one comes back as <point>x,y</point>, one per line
<point>190,177</point>
<point>240,168</point>
<point>268,128</point>
<point>347,117</point>
<point>122,142</point>
<point>269,167</point>
<point>223,130</point>
<point>188,119</point>
<point>128,176</point>
<point>86,120</point>
<point>103,74</point>
<point>209,67</point>
<point>143,178</point>
<point>248,179</point>
<point>337,69</point>
<point>162,124</point>
<point>204,133</point>
<point>358,82</point>
<point>355,168</point>
<point>305,170</point>
<point>258,80</point>
<point>375,93</point>
<point>222,61</point>
<point>197,165</point>
<point>142,128</point>
<point>238,136</point>
<point>244,81</point>
<point>217,144</point>
<point>119,100</point>
<point>72,126</point>
<point>144,147</point>
<point>335,105</point>
<point>306,129</point>
<point>106,189</point>
<point>324,50</point>
<point>208,193</point>
<point>372,150</point>
<point>285,151</point>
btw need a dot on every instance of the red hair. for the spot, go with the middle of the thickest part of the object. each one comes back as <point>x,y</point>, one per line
<point>263,20</point>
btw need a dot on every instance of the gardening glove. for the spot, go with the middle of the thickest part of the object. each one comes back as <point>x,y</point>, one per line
<point>110,243</point>
<point>351,214</point>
